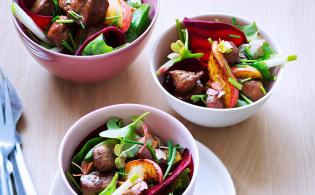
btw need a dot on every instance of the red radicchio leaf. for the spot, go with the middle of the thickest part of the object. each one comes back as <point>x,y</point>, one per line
<point>114,37</point>
<point>186,162</point>
<point>42,21</point>
<point>201,30</point>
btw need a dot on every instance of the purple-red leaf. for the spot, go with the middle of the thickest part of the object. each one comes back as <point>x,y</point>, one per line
<point>114,37</point>
<point>186,162</point>
<point>42,21</point>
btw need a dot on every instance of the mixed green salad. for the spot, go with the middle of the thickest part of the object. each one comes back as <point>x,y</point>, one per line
<point>83,27</point>
<point>128,159</point>
<point>219,65</point>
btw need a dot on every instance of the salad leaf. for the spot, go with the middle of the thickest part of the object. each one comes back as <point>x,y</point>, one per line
<point>134,3</point>
<point>114,123</point>
<point>97,46</point>
<point>111,186</point>
<point>73,181</point>
<point>241,103</point>
<point>268,51</point>
<point>123,132</point>
<point>181,182</point>
<point>181,52</point>
<point>250,30</point>
<point>139,23</point>
<point>197,98</point>
<point>78,158</point>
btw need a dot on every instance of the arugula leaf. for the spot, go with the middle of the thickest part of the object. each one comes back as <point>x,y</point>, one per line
<point>197,98</point>
<point>181,182</point>
<point>181,52</point>
<point>114,123</point>
<point>124,131</point>
<point>97,46</point>
<point>268,51</point>
<point>250,31</point>
<point>111,186</point>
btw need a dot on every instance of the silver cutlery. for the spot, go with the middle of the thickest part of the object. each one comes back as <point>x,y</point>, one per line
<point>7,137</point>
<point>23,184</point>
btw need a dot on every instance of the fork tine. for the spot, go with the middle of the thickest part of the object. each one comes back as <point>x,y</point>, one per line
<point>7,105</point>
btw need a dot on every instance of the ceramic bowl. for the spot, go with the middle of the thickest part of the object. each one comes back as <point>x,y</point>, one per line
<point>160,123</point>
<point>88,69</point>
<point>203,116</point>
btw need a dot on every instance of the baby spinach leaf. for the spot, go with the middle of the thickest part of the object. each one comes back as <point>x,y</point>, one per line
<point>78,158</point>
<point>97,46</point>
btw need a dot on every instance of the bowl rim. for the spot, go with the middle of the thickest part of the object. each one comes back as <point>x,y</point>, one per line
<point>223,15</point>
<point>115,52</point>
<point>90,115</point>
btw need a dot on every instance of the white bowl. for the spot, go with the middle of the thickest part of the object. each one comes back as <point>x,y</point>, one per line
<point>160,123</point>
<point>203,116</point>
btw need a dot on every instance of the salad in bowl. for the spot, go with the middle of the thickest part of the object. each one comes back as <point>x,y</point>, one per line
<point>129,156</point>
<point>220,65</point>
<point>79,27</point>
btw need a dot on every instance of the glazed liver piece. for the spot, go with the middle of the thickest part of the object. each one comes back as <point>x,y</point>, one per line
<point>94,182</point>
<point>214,102</point>
<point>252,90</point>
<point>43,7</point>
<point>184,81</point>
<point>93,11</point>
<point>232,57</point>
<point>104,158</point>
<point>58,32</point>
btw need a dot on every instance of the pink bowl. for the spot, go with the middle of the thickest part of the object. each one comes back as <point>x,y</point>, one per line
<point>88,69</point>
<point>160,123</point>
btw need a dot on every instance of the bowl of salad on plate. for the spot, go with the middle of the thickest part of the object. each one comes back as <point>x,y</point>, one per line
<point>84,40</point>
<point>128,149</point>
<point>217,70</point>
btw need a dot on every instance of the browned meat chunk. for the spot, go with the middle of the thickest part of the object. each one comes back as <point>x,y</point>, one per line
<point>43,7</point>
<point>214,102</point>
<point>184,81</point>
<point>253,90</point>
<point>58,32</point>
<point>104,158</point>
<point>95,182</point>
<point>232,57</point>
<point>93,11</point>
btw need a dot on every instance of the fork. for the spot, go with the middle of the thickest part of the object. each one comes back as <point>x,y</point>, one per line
<point>7,137</point>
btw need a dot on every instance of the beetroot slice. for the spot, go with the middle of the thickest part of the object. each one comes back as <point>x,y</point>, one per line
<point>200,31</point>
<point>42,21</point>
<point>114,37</point>
<point>186,161</point>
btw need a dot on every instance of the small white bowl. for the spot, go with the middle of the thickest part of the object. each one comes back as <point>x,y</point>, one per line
<point>160,123</point>
<point>203,116</point>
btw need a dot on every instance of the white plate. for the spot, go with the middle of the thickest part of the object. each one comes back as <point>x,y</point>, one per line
<point>213,178</point>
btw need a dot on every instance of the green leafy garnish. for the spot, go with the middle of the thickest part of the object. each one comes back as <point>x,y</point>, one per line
<point>78,158</point>
<point>197,98</point>
<point>235,83</point>
<point>247,100</point>
<point>179,185</point>
<point>73,181</point>
<point>149,146</point>
<point>268,51</point>
<point>114,123</point>
<point>250,31</point>
<point>181,52</point>
<point>134,3</point>
<point>97,46</point>
<point>170,162</point>
<point>263,69</point>
<point>124,131</point>
<point>241,103</point>
<point>180,30</point>
<point>111,186</point>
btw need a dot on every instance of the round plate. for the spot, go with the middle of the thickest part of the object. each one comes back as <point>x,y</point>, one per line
<point>213,178</point>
